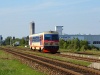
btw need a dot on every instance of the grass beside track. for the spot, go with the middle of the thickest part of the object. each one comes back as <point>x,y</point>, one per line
<point>91,52</point>
<point>94,52</point>
<point>74,61</point>
<point>11,66</point>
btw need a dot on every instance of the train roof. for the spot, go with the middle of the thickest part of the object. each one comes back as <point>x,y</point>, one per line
<point>46,32</point>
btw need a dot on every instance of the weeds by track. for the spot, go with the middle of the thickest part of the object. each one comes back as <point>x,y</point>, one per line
<point>55,67</point>
<point>79,58</point>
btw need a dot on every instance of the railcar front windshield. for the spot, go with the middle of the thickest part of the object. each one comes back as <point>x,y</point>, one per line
<point>51,37</point>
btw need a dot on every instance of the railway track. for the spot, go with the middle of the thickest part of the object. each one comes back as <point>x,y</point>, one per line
<point>81,57</point>
<point>56,67</point>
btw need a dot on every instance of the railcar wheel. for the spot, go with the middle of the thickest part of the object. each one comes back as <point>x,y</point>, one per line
<point>31,48</point>
<point>34,49</point>
<point>53,52</point>
<point>40,50</point>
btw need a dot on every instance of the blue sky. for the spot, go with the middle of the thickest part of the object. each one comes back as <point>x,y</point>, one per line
<point>77,16</point>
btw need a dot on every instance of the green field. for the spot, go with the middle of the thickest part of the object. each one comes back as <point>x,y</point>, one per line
<point>11,66</point>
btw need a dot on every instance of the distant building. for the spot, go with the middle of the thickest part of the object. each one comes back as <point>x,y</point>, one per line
<point>32,28</point>
<point>1,39</point>
<point>92,39</point>
<point>59,29</point>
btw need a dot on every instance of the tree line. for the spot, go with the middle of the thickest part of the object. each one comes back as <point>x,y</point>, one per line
<point>11,40</point>
<point>70,45</point>
<point>76,45</point>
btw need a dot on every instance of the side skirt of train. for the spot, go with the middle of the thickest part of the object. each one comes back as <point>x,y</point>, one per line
<point>46,49</point>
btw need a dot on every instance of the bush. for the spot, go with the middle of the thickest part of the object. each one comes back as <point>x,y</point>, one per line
<point>76,45</point>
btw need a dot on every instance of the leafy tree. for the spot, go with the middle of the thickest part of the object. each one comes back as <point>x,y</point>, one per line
<point>70,44</point>
<point>65,45</point>
<point>8,40</point>
<point>75,45</point>
<point>27,40</point>
<point>22,42</point>
<point>61,42</point>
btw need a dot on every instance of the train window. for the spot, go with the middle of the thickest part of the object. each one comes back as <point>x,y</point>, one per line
<point>51,37</point>
<point>55,37</point>
<point>47,37</point>
<point>36,39</point>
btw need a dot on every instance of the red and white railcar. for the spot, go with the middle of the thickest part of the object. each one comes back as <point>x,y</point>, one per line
<point>45,41</point>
